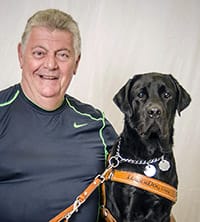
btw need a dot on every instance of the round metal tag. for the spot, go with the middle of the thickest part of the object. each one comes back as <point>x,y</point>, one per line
<point>150,170</point>
<point>164,165</point>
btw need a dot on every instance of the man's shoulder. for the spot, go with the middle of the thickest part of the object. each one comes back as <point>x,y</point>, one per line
<point>8,95</point>
<point>82,107</point>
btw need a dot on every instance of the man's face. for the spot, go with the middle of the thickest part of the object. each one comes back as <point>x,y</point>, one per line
<point>48,64</point>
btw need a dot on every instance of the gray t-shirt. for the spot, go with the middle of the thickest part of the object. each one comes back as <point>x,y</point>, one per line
<point>47,158</point>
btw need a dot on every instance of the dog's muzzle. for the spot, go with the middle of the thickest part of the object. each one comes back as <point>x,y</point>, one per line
<point>152,123</point>
<point>153,111</point>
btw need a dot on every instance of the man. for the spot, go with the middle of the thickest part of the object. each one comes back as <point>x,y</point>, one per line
<point>51,145</point>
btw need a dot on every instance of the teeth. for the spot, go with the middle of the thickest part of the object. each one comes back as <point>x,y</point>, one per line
<point>48,77</point>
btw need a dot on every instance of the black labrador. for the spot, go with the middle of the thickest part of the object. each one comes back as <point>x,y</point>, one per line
<point>149,103</point>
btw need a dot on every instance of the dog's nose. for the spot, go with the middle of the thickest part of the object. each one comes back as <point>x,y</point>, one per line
<point>154,112</point>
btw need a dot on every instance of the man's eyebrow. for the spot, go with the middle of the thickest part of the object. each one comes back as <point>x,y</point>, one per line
<point>39,46</point>
<point>63,49</point>
<point>59,50</point>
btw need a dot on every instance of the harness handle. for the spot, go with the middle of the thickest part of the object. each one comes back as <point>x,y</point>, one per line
<point>68,212</point>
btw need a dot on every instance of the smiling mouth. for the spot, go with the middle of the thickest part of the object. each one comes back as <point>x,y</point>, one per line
<point>46,77</point>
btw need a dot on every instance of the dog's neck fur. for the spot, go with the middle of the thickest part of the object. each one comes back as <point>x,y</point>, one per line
<point>141,148</point>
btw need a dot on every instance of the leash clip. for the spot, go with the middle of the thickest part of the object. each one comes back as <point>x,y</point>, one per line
<point>104,175</point>
<point>77,203</point>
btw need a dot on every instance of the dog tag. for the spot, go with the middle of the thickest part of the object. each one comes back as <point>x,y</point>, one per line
<point>164,165</point>
<point>150,170</point>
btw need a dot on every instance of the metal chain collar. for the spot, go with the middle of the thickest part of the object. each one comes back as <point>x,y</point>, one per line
<point>115,160</point>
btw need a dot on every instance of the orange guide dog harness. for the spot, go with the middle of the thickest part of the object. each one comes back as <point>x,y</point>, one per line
<point>131,178</point>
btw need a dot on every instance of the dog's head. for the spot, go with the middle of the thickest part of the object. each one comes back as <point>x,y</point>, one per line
<point>149,102</point>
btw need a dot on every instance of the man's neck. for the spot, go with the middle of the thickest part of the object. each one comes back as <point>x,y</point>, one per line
<point>45,103</point>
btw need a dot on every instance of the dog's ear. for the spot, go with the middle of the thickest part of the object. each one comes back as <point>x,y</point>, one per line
<point>184,98</point>
<point>122,98</point>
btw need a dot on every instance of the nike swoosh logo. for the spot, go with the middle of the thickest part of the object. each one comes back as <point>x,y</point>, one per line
<point>77,125</point>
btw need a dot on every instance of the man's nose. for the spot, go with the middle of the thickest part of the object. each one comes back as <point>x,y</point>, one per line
<point>51,62</point>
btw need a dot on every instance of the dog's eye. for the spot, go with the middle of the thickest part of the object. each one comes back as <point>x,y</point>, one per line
<point>166,95</point>
<point>141,94</point>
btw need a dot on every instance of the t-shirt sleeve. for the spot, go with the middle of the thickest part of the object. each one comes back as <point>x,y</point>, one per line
<point>110,135</point>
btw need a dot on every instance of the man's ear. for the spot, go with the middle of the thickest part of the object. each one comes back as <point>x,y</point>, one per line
<point>122,98</point>
<point>20,54</point>
<point>76,65</point>
<point>184,98</point>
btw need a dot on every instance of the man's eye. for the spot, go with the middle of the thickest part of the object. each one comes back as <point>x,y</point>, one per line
<point>38,54</point>
<point>62,56</point>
